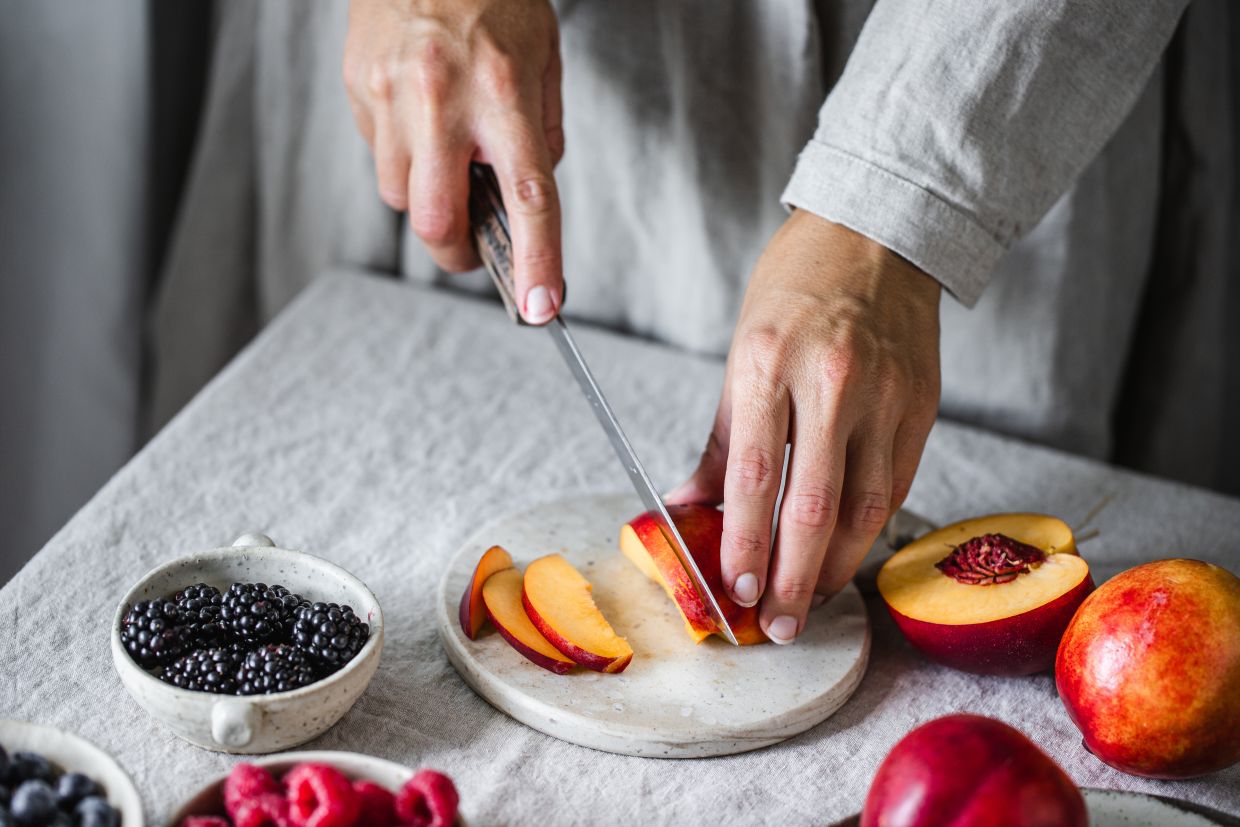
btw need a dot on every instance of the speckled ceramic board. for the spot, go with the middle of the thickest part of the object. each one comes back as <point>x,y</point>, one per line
<point>676,699</point>
<point>1113,808</point>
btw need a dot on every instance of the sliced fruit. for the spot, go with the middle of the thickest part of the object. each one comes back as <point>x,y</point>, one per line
<point>558,602</point>
<point>642,541</point>
<point>991,595</point>
<point>1149,669</point>
<point>473,614</point>
<point>970,770</point>
<point>502,597</point>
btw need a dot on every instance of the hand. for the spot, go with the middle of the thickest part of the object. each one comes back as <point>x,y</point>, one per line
<point>435,84</point>
<point>836,351</point>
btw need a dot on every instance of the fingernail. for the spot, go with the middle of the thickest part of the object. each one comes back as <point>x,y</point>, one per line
<point>783,629</point>
<point>817,600</point>
<point>745,589</point>
<point>538,307</point>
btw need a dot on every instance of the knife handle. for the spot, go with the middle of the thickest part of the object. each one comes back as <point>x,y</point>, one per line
<point>489,223</point>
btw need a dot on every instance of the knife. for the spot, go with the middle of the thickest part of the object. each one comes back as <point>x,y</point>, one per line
<point>493,241</point>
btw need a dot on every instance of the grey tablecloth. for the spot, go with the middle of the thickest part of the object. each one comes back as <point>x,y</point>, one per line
<point>378,425</point>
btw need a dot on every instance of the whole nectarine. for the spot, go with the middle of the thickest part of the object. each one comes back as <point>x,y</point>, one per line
<point>970,771</point>
<point>1149,669</point>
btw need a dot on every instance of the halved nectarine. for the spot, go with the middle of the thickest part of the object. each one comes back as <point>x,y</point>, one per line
<point>558,602</point>
<point>473,614</point>
<point>502,595</point>
<point>642,541</point>
<point>991,595</point>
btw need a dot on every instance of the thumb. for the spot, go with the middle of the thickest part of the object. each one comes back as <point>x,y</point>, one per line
<point>705,485</point>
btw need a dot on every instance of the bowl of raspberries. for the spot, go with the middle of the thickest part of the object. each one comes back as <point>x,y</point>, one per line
<point>324,789</point>
<point>247,649</point>
<point>52,778</point>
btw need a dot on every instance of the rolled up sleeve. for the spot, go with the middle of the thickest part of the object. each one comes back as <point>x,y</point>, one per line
<point>956,125</point>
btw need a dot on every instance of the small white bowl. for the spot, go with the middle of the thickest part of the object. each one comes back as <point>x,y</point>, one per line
<point>74,754</point>
<point>254,724</point>
<point>209,799</point>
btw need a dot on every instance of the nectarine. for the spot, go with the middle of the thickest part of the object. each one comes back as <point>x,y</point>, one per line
<point>991,595</point>
<point>1149,669</point>
<point>642,541</point>
<point>970,771</point>
<point>558,602</point>
<point>473,613</point>
<point>502,596</point>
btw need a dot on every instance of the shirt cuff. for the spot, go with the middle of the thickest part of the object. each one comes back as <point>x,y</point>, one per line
<point>904,217</point>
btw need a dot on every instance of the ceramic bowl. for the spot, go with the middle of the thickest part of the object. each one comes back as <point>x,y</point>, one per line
<point>209,799</point>
<point>259,723</point>
<point>74,754</point>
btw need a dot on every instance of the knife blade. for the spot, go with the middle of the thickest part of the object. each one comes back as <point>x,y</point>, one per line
<point>493,240</point>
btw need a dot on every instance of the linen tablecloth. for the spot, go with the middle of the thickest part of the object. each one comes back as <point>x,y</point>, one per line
<point>378,425</point>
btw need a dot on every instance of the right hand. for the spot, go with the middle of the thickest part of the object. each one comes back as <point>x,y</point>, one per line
<point>436,84</point>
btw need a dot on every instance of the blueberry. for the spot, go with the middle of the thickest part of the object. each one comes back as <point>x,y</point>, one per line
<point>7,820</point>
<point>93,811</point>
<point>72,788</point>
<point>34,803</point>
<point>29,766</point>
<point>4,765</point>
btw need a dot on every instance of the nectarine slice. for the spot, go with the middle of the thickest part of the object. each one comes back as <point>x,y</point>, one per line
<point>502,595</point>
<point>473,613</point>
<point>643,542</point>
<point>558,602</point>
<point>991,595</point>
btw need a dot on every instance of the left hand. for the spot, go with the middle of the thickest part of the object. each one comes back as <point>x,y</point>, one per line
<point>837,352</point>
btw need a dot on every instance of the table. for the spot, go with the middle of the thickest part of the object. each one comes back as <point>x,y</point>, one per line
<point>377,425</point>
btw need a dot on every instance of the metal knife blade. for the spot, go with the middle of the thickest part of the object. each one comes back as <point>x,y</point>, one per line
<point>490,226</point>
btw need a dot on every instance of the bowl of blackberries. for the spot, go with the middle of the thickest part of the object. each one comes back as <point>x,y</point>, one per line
<point>52,778</point>
<point>248,649</point>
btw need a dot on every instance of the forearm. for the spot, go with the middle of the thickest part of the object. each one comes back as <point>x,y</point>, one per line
<point>956,125</point>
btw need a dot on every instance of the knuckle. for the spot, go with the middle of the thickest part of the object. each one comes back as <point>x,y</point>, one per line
<point>748,545</point>
<point>432,73</point>
<point>381,82</point>
<point>500,78</point>
<point>793,588</point>
<point>754,472</point>
<point>812,507</point>
<point>899,491</point>
<point>766,349</point>
<point>867,511</point>
<point>534,194</point>
<point>433,225</point>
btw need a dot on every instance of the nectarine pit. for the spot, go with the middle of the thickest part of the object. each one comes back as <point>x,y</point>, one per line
<point>990,559</point>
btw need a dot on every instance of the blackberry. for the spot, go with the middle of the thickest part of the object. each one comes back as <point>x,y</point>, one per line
<point>257,612</point>
<point>72,787</point>
<point>332,635</point>
<point>206,670</point>
<point>33,803</point>
<point>30,766</point>
<point>278,668</point>
<point>200,605</point>
<point>152,633</point>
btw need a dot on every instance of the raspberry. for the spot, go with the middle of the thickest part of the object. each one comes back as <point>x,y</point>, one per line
<point>267,810</point>
<point>376,806</point>
<point>320,796</point>
<point>429,799</point>
<point>247,782</point>
<point>205,821</point>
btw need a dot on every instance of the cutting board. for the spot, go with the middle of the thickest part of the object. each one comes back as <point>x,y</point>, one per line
<point>676,699</point>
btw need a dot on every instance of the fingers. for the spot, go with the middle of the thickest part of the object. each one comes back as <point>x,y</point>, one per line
<point>391,157</point>
<point>865,504</point>
<point>553,108</point>
<point>522,164</point>
<point>705,486</point>
<point>439,193</point>
<point>754,468</point>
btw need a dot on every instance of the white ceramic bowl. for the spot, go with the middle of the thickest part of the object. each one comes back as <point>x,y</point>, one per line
<point>74,754</point>
<point>209,799</point>
<point>257,723</point>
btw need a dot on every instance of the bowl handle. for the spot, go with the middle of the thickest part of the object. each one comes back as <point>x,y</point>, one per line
<point>233,723</point>
<point>253,540</point>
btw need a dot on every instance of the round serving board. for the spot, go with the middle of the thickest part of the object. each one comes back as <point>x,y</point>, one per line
<point>676,699</point>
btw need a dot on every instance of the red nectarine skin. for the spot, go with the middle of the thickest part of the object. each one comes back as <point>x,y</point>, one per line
<point>585,658</point>
<point>472,612</point>
<point>966,769</point>
<point>1149,670</point>
<point>1023,644</point>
